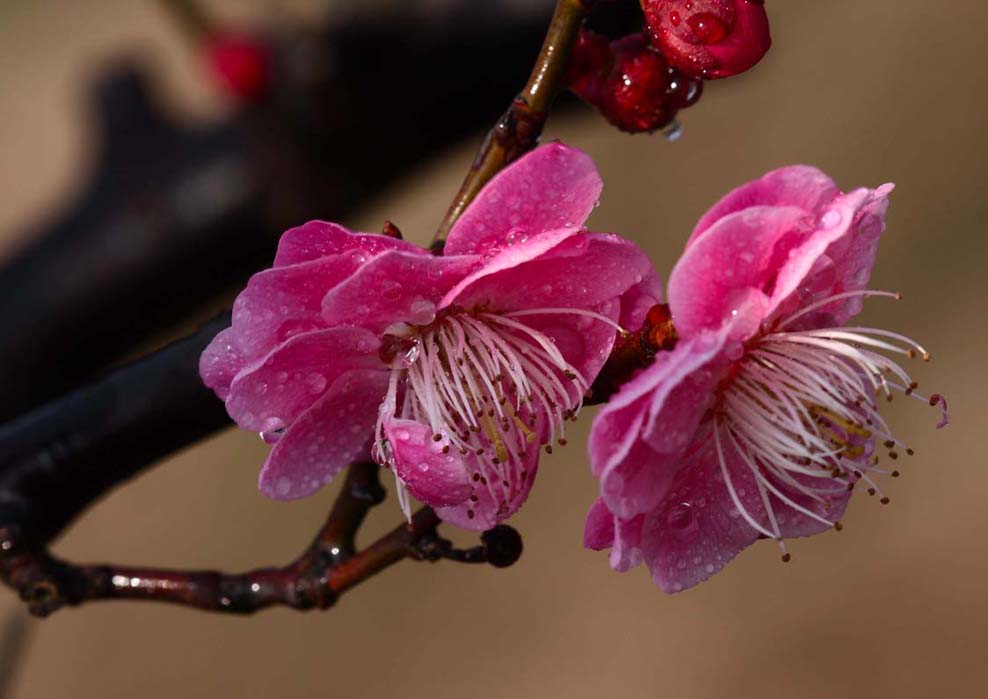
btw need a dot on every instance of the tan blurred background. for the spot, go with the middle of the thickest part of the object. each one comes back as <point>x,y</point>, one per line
<point>869,90</point>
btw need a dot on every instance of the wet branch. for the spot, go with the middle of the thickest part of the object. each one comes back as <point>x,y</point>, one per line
<point>519,128</point>
<point>330,566</point>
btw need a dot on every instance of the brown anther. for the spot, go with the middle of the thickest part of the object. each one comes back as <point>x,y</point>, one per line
<point>888,443</point>
<point>910,452</point>
<point>838,526</point>
<point>548,448</point>
<point>480,450</point>
<point>469,514</point>
<point>495,461</point>
<point>446,449</point>
<point>561,441</point>
<point>911,354</point>
<point>893,455</point>
<point>786,557</point>
<point>871,491</point>
<point>506,483</point>
<point>437,437</point>
<point>884,500</point>
<point>474,498</point>
<point>483,481</point>
<point>894,474</point>
<point>475,477</point>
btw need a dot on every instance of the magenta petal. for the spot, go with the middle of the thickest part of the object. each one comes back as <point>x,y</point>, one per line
<point>801,186</point>
<point>638,439</point>
<point>394,287</point>
<point>598,531</point>
<point>269,394</point>
<point>220,362</point>
<point>285,301</point>
<point>639,299</point>
<point>552,187</point>
<point>580,271</point>
<point>317,239</point>
<point>491,503</point>
<point>434,478</point>
<point>336,431</point>
<point>696,531</point>
<point>731,271</point>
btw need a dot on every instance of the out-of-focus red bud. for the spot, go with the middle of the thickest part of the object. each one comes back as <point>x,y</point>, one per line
<point>631,83</point>
<point>240,64</point>
<point>709,38</point>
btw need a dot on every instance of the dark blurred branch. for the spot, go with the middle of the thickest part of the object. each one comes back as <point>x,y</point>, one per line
<point>175,214</point>
<point>518,130</point>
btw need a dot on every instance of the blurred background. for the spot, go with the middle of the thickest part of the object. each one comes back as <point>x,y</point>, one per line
<point>870,91</point>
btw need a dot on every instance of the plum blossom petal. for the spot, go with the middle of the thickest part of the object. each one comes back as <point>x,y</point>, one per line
<point>220,362</point>
<point>638,439</point>
<point>394,287</point>
<point>274,390</point>
<point>284,301</point>
<point>433,476</point>
<point>552,187</point>
<point>317,239</point>
<point>731,271</point>
<point>334,432</point>
<point>579,271</point>
<point>801,186</point>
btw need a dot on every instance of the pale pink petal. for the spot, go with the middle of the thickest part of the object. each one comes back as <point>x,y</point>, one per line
<point>220,362</point>
<point>432,477</point>
<point>317,239</point>
<point>800,186</point>
<point>334,432</point>
<point>552,187</point>
<point>394,287</point>
<point>275,389</point>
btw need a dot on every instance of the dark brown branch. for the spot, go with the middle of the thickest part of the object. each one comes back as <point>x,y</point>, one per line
<point>330,566</point>
<point>519,129</point>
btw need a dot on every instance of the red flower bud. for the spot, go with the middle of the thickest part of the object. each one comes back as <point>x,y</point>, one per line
<point>240,64</point>
<point>709,38</point>
<point>630,82</point>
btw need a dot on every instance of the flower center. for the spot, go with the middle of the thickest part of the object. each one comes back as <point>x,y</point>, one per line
<point>490,387</point>
<point>801,411</point>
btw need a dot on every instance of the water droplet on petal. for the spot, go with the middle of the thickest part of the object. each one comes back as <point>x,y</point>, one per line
<point>830,219</point>
<point>283,486</point>
<point>316,382</point>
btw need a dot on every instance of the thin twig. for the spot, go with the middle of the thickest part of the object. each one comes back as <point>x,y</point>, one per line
<point>329,566</point>
<point>518,130</point>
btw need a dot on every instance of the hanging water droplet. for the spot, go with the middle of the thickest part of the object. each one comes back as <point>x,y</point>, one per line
<point>423,311</point>
<point>673,132</point>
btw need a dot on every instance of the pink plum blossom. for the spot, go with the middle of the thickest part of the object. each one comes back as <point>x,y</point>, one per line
<point>451,370</point>
<point>764,416</point>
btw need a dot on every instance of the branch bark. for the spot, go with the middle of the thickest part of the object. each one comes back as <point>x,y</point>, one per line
<point>519,128</point>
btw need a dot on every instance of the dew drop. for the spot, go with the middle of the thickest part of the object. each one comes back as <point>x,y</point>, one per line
<point>283,486</point>
<point>316,382</point>
<point>830,219</point>
<point>673,132</point>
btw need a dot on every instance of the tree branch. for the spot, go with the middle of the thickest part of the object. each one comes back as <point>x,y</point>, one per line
<point>519,128</point>
<point>326,569</point>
